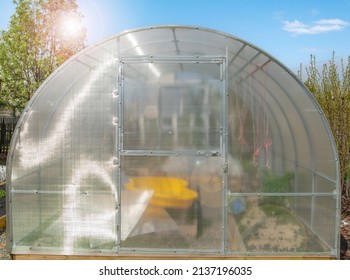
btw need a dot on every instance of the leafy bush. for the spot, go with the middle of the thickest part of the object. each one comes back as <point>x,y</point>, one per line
<point>331,88</point>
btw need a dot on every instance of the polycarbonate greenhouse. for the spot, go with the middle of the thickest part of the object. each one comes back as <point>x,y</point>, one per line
<point>173,141</point>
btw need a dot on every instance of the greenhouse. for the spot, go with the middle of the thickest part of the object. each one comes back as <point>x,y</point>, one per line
<point>173,141</point>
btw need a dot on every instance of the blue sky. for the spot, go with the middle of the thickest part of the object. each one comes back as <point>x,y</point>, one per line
<point>288,30</point>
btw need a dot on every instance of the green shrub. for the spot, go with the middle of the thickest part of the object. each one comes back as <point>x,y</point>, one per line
<point>331,88</point>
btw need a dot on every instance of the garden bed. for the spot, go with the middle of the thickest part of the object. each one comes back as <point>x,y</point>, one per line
<point>273,228</point>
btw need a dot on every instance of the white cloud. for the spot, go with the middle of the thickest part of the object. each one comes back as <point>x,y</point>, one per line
<point>321,26</point>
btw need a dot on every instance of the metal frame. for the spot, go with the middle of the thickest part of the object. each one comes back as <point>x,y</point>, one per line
<point>222,152</point>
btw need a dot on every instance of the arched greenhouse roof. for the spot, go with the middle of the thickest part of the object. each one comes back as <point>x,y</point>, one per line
<point>293,107</point>
<point>168,94</point>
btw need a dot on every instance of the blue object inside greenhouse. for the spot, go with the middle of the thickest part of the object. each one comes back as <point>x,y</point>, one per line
<point>237,205</point>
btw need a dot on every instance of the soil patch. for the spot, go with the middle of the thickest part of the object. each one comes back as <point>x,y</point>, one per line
<point>272,228</point>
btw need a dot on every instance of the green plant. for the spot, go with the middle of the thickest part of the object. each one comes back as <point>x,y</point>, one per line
<point>2,193</point>
<point>276,184</point>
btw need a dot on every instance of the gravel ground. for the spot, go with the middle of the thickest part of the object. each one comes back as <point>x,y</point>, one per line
<point>4,254</point>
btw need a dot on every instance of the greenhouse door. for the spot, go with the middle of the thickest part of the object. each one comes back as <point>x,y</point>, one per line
<point>171,132</point>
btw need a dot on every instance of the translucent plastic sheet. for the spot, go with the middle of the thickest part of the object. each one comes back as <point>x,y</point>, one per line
<point>178,102</point>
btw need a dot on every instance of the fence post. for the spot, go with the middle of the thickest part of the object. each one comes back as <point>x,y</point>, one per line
<point>2,136</point>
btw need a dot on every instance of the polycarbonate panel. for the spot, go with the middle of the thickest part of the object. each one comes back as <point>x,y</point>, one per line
<point>304,180</point>
<point>66,158</point>
<point>200,43</point>
<point>198,107</point>
<point>194,226</point>
<point>105,52</point>
<point>257,225</point>
<point>64,222</point>
<point>146,43</point>
<point>172,106</point>
<point>324,152</point>
<point>324,185</point>
<point>324,220</point>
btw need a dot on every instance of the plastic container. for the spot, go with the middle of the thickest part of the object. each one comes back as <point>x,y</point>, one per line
<point>169,192</point>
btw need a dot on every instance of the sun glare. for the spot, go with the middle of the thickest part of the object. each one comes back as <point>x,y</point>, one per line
<point>70,26</point>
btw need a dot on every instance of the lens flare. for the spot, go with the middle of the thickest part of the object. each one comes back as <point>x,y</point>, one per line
<point>70,26</point>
